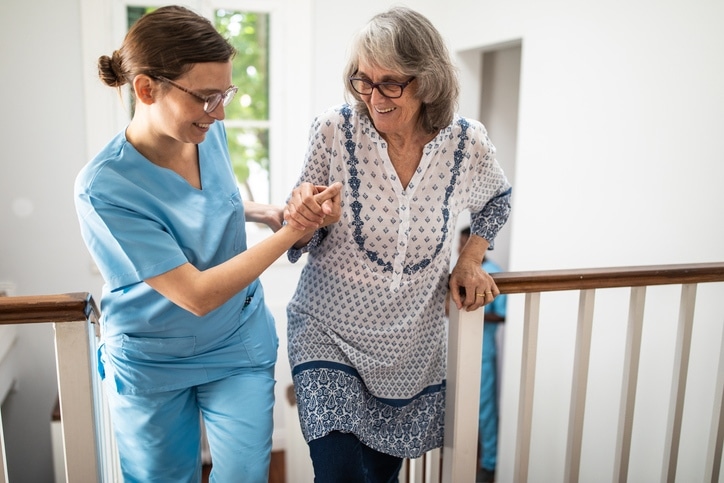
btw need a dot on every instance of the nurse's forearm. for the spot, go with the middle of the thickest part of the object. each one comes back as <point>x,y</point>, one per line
<point>200,292</point>
<point>222,282</point>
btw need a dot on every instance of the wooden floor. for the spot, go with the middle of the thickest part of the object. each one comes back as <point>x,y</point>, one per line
<point>277,471</point>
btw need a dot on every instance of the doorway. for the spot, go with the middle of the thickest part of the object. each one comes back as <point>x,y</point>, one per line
<point>490,79</point>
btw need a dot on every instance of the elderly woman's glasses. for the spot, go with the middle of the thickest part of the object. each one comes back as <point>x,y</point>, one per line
<point>391,90</point>
<point>211,101</point>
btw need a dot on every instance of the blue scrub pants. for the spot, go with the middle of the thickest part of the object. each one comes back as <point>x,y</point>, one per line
<point>159,435</point>
<point>488,415</point>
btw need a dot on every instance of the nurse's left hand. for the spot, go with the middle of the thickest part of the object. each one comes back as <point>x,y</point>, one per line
<point>271,215</point>
<point>275,218</point>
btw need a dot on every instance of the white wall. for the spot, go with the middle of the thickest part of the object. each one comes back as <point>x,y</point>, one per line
<point>41,252</point>
<point>619,162</point>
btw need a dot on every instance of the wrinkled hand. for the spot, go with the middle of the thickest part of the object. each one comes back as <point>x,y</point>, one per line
<point>471,287</point>
<point>312,206</point>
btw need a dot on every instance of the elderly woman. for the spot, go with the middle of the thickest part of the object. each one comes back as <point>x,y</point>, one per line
<point>367,336</point>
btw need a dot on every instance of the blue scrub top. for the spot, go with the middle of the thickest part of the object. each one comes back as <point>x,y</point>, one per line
<point>140,220</point>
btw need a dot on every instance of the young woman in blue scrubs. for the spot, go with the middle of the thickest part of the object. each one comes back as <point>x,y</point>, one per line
<point>185,330</point>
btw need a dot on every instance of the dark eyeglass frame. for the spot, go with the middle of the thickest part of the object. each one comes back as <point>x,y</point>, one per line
<point>377,85</point>
<point>211,101</point>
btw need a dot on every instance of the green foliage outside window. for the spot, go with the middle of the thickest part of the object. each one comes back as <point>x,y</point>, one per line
<point>249,139</point>
<point>134,13</point>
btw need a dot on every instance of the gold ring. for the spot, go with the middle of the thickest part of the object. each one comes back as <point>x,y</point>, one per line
<point>480,295</point>
<point>488,291</point>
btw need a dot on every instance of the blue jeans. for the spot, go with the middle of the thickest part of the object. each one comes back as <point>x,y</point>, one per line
<point>342,458</point>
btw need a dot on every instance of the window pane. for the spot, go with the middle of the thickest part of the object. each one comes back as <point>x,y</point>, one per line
<point>134,13</point>
<point>249,148</point>
<point>248,32</point>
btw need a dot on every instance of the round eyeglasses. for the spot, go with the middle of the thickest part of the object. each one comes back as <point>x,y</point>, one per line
<point>211,101</point>
<point>391,90</point>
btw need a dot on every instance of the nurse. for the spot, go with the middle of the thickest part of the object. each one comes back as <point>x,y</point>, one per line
<point>185,330</point>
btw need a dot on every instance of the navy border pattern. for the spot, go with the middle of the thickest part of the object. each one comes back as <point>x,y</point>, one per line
<point>332,397</point>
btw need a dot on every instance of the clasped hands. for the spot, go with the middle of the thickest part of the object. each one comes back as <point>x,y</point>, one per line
<point>312,206</point>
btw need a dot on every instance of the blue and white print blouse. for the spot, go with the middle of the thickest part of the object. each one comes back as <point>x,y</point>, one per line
<point>367,324</point>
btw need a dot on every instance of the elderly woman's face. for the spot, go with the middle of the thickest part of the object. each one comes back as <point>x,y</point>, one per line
<point>391,116</point>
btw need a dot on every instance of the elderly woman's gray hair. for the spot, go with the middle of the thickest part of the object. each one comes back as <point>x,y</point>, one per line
<point>403,40</point>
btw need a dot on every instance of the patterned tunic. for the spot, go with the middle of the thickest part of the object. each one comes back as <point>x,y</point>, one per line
<point>367,324</point>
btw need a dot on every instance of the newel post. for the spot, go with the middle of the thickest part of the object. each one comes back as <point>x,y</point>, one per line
<point>75,387</point>
<point>465,345</point>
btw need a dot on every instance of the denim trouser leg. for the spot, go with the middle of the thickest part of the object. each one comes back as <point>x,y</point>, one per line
<point>342,458</point>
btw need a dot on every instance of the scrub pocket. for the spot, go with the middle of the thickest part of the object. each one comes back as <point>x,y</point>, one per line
<point>258,334</point>
<point>144,365</point>
<point>157,348</point>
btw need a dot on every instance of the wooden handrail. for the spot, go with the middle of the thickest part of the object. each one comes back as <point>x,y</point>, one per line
<point>69,307</point>
<point>81,305</point>
<point>592,278</point>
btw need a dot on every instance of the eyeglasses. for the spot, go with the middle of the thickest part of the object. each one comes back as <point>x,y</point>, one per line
<point>391,90</point>
<point>211,101</point>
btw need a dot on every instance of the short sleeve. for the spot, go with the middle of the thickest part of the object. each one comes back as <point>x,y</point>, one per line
<point>126,246</point>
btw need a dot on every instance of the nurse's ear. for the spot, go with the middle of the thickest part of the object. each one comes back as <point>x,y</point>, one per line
<point>145,88</point>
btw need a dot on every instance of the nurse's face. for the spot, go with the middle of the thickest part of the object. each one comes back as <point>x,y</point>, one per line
<point>182,107</point>
<point>391,116</point>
